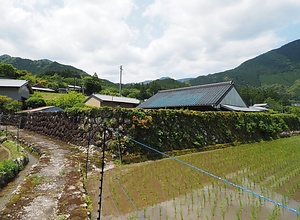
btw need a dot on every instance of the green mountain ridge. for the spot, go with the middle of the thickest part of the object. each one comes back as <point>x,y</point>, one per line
<point>279,66</point>
<point>37,67</point>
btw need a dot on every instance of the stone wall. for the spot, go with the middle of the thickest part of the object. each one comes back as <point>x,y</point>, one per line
<point>57,125</point>
<point>71,129</point>
<point>164,130</point>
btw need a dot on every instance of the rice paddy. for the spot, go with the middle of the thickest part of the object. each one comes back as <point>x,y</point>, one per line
<point>168,189</point>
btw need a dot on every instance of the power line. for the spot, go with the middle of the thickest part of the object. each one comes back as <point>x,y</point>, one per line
<point>210,174</point>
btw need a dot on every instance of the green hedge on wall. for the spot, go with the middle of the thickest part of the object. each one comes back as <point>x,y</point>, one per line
<point>169,130</point>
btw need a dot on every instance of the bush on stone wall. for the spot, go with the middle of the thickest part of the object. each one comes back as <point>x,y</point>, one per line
<point>164,130</point>
<point>168,130</point>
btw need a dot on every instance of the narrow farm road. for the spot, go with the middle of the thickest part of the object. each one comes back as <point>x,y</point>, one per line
<point>53,189</point>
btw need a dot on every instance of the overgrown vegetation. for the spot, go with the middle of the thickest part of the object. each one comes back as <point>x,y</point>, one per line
<point>9,167</point>
<point>171,130</point>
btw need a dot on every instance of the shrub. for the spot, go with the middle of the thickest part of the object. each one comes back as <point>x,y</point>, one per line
<point>9,167</point>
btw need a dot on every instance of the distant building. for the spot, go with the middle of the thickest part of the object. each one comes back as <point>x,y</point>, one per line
<point>39,88</point>
<point>209,97</point>
<point>19,90</point>
<point>99,100</point>
<point>74,88</point>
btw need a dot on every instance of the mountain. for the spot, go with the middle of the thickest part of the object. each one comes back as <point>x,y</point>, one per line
<point>279,66</point>
<point>38,66</point>
<point>185,79</point>
<point>167,83</point>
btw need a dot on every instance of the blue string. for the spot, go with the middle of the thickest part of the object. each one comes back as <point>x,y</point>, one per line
<point>212,175</point>
<point>141,216</point>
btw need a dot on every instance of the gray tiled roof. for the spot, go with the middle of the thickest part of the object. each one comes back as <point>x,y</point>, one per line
<point>203,95</point>
<point>12,82</point>
<point>109,98</point>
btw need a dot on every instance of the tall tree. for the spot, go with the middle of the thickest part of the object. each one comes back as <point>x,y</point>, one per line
<point>8,71</point>
<point>92,85</point>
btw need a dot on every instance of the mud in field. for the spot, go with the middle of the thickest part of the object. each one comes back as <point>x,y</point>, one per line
<point>210,202</point>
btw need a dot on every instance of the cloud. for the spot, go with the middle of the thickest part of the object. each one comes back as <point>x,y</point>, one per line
<point>150,39</point>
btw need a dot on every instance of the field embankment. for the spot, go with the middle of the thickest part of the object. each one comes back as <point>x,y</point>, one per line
<point>12,160</point>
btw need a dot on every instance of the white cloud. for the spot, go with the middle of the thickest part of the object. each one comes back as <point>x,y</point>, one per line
<point>150,39</point>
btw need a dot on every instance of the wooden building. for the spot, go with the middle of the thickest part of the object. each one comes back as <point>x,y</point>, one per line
<point>99,100</point>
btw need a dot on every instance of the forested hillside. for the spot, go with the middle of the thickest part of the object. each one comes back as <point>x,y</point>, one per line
<point>279,66</point>
<point>37,67</point>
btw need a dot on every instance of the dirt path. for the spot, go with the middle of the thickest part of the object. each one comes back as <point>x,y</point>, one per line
<point>53,189</point>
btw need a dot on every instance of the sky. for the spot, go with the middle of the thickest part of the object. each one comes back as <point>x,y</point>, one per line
<point>149,38</point>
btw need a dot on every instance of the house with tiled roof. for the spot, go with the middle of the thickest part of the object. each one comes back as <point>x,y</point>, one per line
<point>99,100</point>
<point>209,97</point>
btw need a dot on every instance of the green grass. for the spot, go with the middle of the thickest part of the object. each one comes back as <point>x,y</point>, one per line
<point>8,165</point>
<point>50,95</point>
<point>273,166</point>
<point>14,149</point>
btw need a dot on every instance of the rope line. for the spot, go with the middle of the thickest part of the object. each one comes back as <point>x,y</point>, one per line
<point>140,214</point>
<point>210,174</point>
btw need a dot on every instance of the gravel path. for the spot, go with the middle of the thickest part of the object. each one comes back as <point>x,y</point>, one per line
<point>53,189</point>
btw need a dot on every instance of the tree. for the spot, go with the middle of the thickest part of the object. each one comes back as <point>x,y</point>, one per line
<point>273,104</point>
<point>35,101</point>
<point>111,91</point>
<point>92,85</point>
<point>95,75</point>
<point>13,106</point>
<point>8,71</point>
<point>32,79</point>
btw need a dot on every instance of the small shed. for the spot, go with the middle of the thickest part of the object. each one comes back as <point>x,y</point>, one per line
<point>19,90</point>
<point>99,100</point>
<point>74,88</point>
<point>209,97</point>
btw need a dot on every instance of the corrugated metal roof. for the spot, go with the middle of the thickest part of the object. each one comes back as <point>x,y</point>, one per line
<point>109,98</point>
<point>203,95</point>
<point>42,89</point>
<point>12,83</point>
<point>244,109</point>
<point>44,109</point>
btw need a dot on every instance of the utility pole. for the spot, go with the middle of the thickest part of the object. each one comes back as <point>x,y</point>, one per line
<point>121,70</point>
